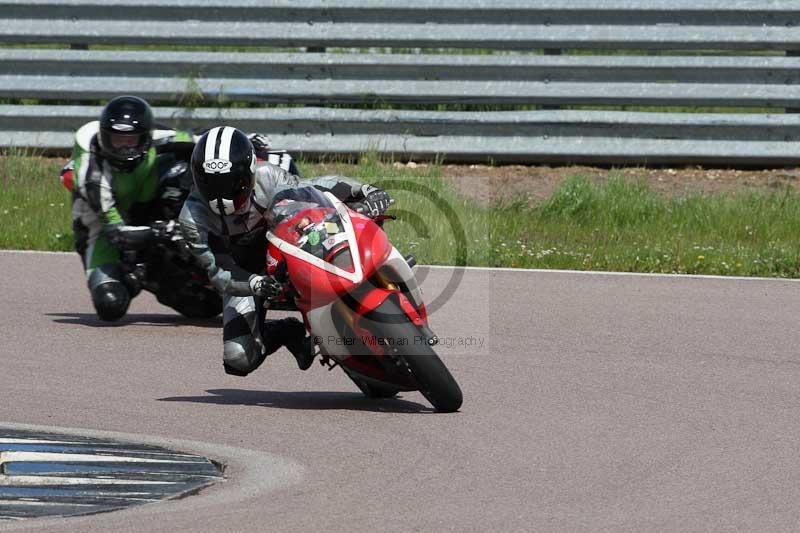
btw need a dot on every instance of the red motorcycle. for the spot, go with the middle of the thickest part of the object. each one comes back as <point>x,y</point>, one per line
<point>358,296</point>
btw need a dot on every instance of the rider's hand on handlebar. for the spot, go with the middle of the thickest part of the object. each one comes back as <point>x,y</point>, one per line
<point>164,230</point>
<point>375,201</point>
<point>260,142</point>
<point>264,286</point>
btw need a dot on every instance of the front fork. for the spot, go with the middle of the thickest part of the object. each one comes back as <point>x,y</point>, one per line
<point>394,279</point>
<point>382,289</point>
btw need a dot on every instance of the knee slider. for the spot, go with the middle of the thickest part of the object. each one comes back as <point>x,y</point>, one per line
<point>241,358</point>
<point>111,300</point>
<point>235,360</point>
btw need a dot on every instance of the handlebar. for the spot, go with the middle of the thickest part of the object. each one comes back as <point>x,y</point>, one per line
<point>361,209</point>
<point>167,230</point>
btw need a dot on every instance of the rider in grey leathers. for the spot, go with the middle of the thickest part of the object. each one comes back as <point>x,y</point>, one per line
<point>224,221</point>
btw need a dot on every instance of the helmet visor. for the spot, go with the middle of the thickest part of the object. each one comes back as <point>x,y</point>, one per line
<point>121,146</point>
<point>127,140</point>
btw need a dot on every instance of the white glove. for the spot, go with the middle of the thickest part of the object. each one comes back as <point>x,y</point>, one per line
<point>260,142</point>
<point>264,286</point>
<point>376,200</point>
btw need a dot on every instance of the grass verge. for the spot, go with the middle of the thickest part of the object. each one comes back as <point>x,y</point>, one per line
<point>618,225</point>
<point>34,207</point>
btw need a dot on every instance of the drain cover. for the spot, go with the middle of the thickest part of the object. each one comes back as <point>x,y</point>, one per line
<point>47,474</point>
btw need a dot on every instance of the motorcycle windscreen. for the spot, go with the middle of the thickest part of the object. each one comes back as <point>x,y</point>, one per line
<point>328,249</point>
<point>305,218</point>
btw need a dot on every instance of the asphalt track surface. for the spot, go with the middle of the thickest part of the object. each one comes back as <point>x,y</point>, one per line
<point>597,402</point>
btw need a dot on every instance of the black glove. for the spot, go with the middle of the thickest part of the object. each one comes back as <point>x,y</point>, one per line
<point>376,200</point>
<point>260,142</point>
<point>264,286</point>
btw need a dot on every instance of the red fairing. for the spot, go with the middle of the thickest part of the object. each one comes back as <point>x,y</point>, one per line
<point>367,303</point>
<point>315,285</point>
<point>373,243</point>
<point>423,313</point>
<point>411,312</point>
<point>372,301</point>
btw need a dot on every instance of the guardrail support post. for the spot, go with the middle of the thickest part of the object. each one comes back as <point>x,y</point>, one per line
<point>792,53</point>
<point>551,52</point>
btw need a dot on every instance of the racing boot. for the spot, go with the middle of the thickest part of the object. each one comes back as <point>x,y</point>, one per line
<point>291,333</point>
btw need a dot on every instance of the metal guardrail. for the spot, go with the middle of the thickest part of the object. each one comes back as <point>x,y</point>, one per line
<point>235,65</point>
<point>367,76</point>
<point>392,34</point>
<point>501,12</point>
<point>509,136</point>
<point>510,24</point>
<point>396,79</point>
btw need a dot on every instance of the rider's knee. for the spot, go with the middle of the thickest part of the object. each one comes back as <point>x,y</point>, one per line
<point>240,355</point>
<point>111,300</point>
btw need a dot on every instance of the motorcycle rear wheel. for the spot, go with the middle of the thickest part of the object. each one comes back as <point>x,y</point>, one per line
<point>405,342</point>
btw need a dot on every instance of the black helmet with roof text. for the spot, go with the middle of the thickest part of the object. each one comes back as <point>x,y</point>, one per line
<point>223,168</point>
<point>126,124</point>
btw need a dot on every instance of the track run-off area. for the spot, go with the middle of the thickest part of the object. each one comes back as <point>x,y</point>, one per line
<point>591,402</point>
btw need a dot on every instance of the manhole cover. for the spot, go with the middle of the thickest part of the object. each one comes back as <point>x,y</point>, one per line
<point>48,474</point>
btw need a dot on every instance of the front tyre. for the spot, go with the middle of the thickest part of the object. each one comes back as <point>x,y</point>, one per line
<point>404,341</point>
<point>435,381</point>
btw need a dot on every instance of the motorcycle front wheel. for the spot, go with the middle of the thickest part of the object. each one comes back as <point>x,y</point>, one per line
<point>404,341</point>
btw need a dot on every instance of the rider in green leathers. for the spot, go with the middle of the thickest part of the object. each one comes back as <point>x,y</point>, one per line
<point>119,190</point>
